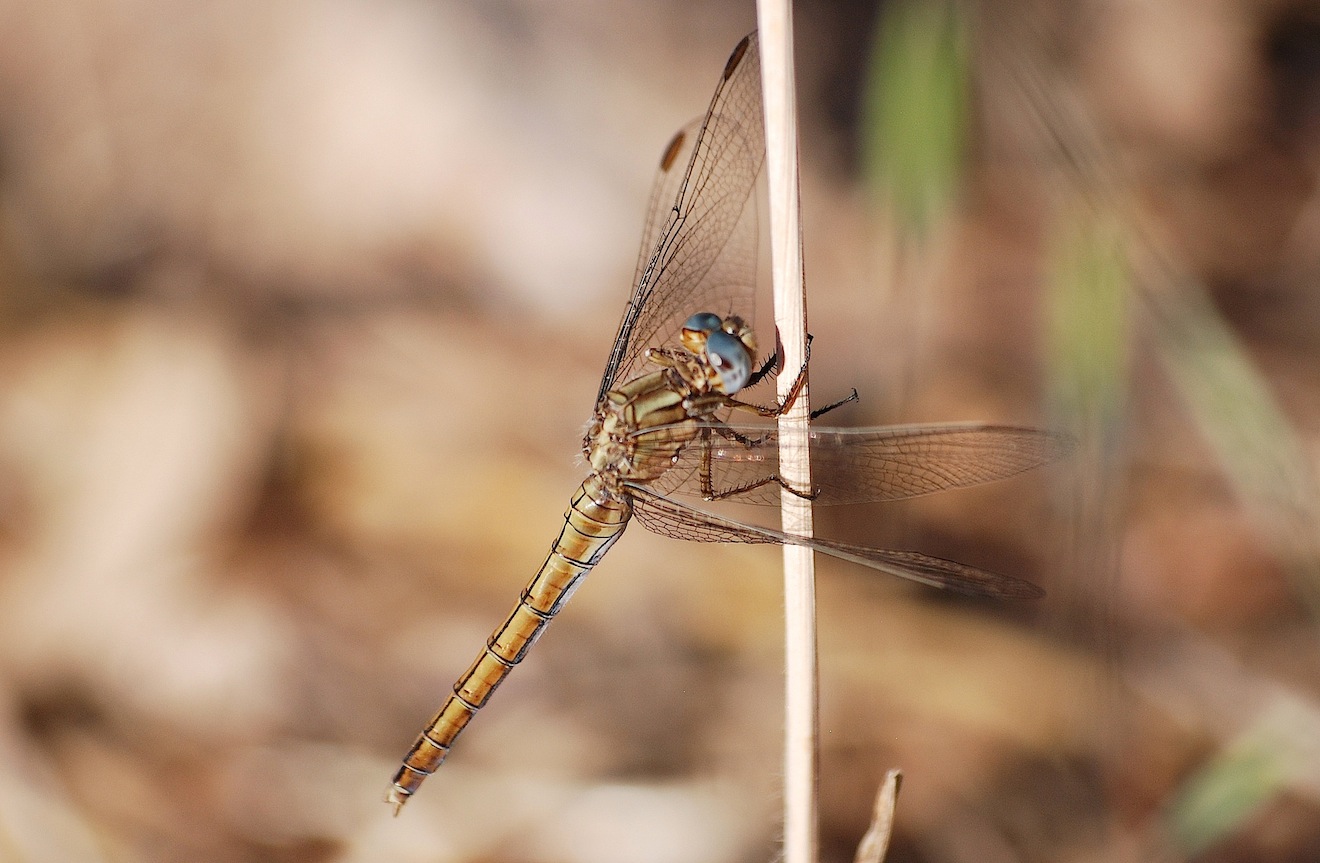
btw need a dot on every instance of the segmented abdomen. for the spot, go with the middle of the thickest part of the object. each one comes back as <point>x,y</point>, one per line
<point>592,523</point>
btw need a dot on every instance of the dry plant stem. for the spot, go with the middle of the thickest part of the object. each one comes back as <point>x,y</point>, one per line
<point>800,726</point>
<point>875,844</point>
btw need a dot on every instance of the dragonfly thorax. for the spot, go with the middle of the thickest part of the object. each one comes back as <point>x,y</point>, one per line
<point>641,427</point>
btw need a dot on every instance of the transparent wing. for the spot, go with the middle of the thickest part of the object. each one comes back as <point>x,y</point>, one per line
<point>670,518</point>
<point>674,163</point>
<point>699,245</point>
<point>862,464</point>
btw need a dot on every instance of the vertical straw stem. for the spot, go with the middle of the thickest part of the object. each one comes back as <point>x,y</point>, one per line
<point>800,687</point>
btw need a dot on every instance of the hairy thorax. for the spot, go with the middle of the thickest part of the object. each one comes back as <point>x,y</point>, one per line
<point>641,427</point>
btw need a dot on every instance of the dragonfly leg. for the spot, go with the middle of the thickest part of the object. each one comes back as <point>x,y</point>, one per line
<point>663,357</point>
<point>736,436</point>
<point>708,490</point>
<point>781,408</point>
<point>851,397</point>
<point>772,364</point>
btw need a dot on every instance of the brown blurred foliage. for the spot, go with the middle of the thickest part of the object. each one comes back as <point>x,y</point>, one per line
<point>303,305</point>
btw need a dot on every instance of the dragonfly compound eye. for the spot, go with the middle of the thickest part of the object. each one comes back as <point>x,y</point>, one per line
<point>705,322</point>
<point>696,328</point>
<point>730,359</point>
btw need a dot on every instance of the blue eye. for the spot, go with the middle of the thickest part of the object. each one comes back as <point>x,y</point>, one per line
<point>703,322</point>
<point>730,359</point>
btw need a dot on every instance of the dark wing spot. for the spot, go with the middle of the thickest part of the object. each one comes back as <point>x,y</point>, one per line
<point>671,152</point>
<point>736,57</point>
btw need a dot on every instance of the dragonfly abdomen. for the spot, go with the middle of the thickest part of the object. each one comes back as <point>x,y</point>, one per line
<point>593,521</point>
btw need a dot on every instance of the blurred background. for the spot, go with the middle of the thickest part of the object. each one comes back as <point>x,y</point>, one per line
<point>304,304</point>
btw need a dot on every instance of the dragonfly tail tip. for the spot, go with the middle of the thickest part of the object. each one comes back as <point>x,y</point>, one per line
<point>396,797</point>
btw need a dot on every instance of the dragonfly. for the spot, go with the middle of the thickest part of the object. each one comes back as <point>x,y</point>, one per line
<point>672,423</point>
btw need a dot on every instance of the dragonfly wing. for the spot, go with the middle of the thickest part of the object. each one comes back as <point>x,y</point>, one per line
<point>699,244</point>
<point>864,464</point>
<point>670,518</point>
<point>660,210</point>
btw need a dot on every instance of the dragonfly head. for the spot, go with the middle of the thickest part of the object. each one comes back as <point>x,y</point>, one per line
<point>726,345</point>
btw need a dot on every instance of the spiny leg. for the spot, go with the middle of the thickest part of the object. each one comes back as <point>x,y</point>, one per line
<point>778,410</point>
<point>708,490</point>
<point>736,436</point>
<point>781,408</point>
<point>771,364</point>
<point>851,397</point>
